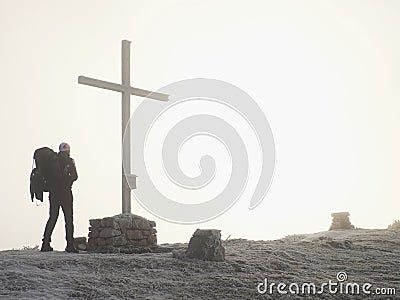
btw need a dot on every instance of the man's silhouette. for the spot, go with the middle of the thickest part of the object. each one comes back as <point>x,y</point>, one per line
<point>61,196</point>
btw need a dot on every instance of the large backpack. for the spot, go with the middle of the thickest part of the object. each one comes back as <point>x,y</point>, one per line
<point>47,173</point>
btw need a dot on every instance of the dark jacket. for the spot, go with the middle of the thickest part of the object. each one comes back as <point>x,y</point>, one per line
<point>68,170</point>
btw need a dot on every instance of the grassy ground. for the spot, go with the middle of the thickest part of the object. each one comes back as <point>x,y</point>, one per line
<point>366,256</point>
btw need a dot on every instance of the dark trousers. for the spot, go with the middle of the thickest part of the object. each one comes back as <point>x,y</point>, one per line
<point>63,199</point>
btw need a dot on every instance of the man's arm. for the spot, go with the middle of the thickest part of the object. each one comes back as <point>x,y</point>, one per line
<point>73,174</point>
<point>69,171</point>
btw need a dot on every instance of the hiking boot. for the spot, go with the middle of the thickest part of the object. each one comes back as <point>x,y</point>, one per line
<point>46,247</point>
<point>71,249</point>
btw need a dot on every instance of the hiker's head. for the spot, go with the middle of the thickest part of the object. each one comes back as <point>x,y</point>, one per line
<point>64,147</point>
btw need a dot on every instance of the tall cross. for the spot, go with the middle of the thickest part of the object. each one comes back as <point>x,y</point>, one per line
<point>126,90</point>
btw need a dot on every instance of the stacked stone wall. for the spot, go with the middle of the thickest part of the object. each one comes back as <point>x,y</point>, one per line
<point>120,232</point>
<point>341,220</point>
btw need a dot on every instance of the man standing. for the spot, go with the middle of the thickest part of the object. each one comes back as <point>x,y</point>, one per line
<point>61,196</point>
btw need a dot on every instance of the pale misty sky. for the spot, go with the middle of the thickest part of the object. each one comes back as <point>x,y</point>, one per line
<point>325,73</point>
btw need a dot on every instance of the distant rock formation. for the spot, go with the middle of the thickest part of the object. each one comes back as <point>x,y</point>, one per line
<point>395,225</point>
<point>121,233</point>
<point>341,220</point>
<point>206,244</point>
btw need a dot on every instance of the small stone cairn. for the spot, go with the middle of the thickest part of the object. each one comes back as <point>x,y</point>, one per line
<point>125,233</point>
<point>80,243</point>
<point>206,244</point>
<point>341,220</point>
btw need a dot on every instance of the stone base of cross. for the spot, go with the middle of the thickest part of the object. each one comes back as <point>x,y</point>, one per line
<point>125,88</point>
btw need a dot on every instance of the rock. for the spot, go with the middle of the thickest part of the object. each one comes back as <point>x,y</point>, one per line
<point>152,239</point>
<point>92,244</point>
<point>109,222</point>
<point>152,224</point>
<point>208,232</point>
<point>340,215</point>
<point>341,220</point>
<point>94,232</point>
<point>134,234</point>
<point>120,240</point>
<point>124,224</point>
<point>206,244</point>
<point>101,241</point>
<point>142,242</point>
<point>109,232</point>
<point>95,223</point>
<point>80,243</point>
<point>140,223</point>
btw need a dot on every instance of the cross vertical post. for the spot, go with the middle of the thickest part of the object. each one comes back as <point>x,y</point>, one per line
<point>126,112</point>
<point>126,90</point>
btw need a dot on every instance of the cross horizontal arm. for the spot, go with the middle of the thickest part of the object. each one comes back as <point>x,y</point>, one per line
<point>120,88</point>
